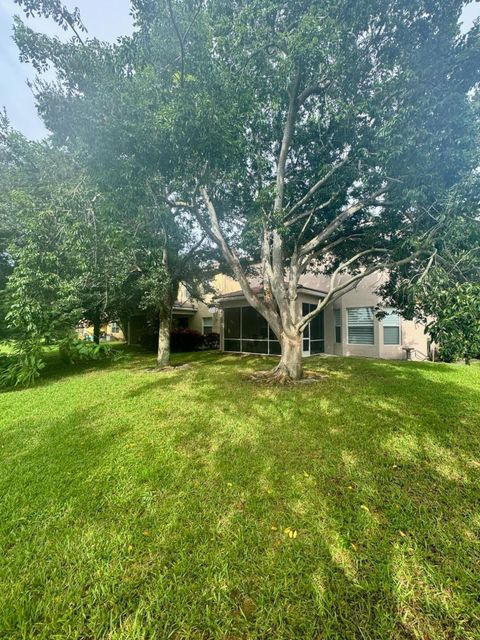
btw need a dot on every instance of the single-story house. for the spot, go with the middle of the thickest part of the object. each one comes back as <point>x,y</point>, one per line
<point>347,327</point>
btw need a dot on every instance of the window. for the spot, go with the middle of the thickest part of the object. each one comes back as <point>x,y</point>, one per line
<point>338,326</point>
<point>207,326</point>
<point>360,325</point>
<point>391,328</point>
<point>115,327</point>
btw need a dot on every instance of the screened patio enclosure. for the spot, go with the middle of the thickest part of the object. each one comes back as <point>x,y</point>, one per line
<point>246,331</point>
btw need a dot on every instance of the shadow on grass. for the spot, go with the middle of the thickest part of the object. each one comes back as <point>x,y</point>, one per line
<point>56,369</point>
<point>375,469</point>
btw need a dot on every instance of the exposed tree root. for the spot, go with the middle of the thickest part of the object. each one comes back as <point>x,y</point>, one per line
<point>279,376</point>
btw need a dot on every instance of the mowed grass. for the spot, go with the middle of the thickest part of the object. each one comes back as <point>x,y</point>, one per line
<point>195,504</point>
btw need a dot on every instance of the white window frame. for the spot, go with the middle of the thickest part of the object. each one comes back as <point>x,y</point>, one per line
<point>210,326</point>
<point>387,323</point>
<point>360,344</point>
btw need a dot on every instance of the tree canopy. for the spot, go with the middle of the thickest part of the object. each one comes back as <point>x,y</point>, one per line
<point>103,107</point>
<point>297,136</point>
<point>329,131</point>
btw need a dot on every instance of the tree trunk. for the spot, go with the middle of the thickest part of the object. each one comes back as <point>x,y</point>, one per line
<point>290,365</point>
<point>97,325</point>
<point>164,327</point>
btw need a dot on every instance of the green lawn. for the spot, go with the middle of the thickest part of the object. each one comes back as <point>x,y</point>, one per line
<point>195,504</point>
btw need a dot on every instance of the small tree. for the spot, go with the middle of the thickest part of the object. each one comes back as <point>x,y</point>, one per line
<point>63,257</point>
<point>456,324</point>
<point>445,293</point>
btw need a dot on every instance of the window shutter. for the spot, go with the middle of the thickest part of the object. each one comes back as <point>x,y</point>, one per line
<point>361,325</point>
<point>391,328</point>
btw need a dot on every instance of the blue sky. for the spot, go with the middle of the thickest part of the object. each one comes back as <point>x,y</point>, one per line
<point>105,19</point>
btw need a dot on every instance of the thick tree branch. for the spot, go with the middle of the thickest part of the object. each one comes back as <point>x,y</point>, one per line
<point>231,257</point>
<point>288,132</point>
<point>277,280</point>
<point>312,244</point>
<point>318,185</point>
<point>335,291</point>
<point>314,90</point>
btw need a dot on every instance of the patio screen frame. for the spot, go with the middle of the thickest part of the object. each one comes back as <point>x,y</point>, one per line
<point>241,335</point>
<point>246,331</point>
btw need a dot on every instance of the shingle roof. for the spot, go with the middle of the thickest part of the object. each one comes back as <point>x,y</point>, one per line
<point>317,284</point>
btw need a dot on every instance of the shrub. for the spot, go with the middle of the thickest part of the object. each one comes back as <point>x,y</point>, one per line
<point>185,340</point>
<point>212,341</point>
<point>74,351</point>
<point>23,367</point>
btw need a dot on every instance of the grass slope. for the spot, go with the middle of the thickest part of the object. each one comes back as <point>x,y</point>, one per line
<point>196,505</point>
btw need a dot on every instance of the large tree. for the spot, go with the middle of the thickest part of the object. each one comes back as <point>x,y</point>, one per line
<point>106,105</point>
<point>317,135</point>
<point>301,134</point>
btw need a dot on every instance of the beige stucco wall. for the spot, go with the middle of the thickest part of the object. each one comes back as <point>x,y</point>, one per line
<point>221,284</point>
<point>206,308</point>
<point>204,311</point>
<point>411,333</point>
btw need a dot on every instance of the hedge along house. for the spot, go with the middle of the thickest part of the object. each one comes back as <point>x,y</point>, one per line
<point>347,327</point>
<point>202,316</point>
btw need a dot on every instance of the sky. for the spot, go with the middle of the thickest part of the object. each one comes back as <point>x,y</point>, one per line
<point>104,19</point>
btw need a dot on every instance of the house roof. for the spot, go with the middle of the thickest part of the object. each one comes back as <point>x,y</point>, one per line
<point>259,290</point>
